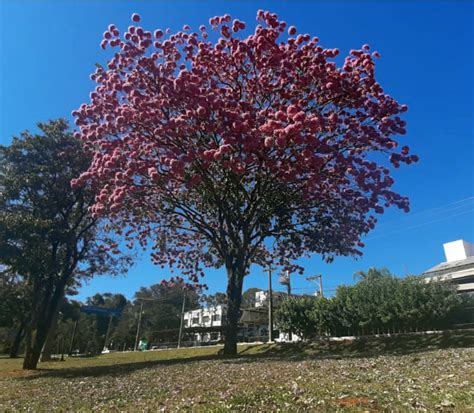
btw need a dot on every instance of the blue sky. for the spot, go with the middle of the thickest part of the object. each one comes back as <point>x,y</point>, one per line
<point>48,49</point>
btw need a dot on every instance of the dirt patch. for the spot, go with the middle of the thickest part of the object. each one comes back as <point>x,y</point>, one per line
<point>355,402</point>
<point>19,373</point>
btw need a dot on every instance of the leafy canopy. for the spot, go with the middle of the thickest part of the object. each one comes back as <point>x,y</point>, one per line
<point>46,229</point>
<point>208,148</point>
<point>379,302</point>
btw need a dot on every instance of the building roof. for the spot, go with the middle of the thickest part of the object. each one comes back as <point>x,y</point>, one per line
<point>466,263</point>
<point>254,316</point>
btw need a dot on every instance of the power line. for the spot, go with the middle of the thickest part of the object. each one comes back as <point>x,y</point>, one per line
<point>469,204</point>
<point>441,209</point>
<point>161,299</point>
<point>400,231</point>
<point>310,288</point>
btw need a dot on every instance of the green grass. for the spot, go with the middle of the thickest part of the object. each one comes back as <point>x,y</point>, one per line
<point>429,373</point>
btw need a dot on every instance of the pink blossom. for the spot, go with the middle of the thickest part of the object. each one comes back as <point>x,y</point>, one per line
<point>185,125</point>
<point>269,141</point>
<point>201,111</point>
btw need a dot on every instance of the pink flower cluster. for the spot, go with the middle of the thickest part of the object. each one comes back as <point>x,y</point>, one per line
<point>179,126</point>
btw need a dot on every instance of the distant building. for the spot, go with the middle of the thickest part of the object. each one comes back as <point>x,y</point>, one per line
<point>210,320</point>
<point>458,268</point>
<point>206,325</point>
<point>261,298</point>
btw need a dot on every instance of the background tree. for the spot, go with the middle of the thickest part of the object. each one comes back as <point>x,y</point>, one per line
<point>295,314</point>
<point>48,238</point>
<point>123,334</point>
<point>371,274</point>
<point>240,151</point>
<point>378,303</point>
<point>100,323</point>
<point>162,305</point>
<point>13,311</point>
<point>213,300</point>
<point>248,297</point>
<point>91,328</point>
<point>62,328</point>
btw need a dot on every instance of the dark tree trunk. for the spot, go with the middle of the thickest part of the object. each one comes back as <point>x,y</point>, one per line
<point>34,344</point>
<point>235,275</point>
<point>20,334</point>
<point>37,330</point>
<point>46,353</point>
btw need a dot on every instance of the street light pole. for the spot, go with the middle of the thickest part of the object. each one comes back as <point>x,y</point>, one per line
<point>138,326</point>
<point>270,304</point>
<point>71,347</point>
<point>316,277</point>
<point>108,333</point>
<point>285,279</point>
<point>182,319</point>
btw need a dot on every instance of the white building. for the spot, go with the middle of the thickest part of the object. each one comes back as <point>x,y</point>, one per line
<point>212,317</point>
<point>206,324</point>
<point>261,298</point>
<point>458,268</point>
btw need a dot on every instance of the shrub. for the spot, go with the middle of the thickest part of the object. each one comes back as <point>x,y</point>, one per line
<point>378,303</point>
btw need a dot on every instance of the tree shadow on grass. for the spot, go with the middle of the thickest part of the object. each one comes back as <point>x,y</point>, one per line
<point>319,349</point>
<point>117,369</point>
<point>369,346</point>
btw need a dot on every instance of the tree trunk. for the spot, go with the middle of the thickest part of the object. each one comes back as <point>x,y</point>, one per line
<point>37,330</point>
<point>34,344</point>
<point>235,275</point>
<point>48,344</point>
<point>15,348</point>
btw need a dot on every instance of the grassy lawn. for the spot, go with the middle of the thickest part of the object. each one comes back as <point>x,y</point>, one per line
<point>425,373</point>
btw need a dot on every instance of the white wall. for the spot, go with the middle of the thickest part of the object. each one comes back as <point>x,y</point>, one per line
<point>458,250</point>
<point>203,317</point>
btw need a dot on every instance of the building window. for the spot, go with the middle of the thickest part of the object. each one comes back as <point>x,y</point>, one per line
<point>216,317</point>
<point>205,319</point>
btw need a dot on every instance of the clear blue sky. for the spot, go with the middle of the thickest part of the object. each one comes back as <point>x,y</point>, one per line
<point>48,49</point>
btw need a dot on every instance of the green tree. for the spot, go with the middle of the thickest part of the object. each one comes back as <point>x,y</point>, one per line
<point>323,316</point>
<point>162,305</point>
<point>296,314</point>
<point>92,328</point>
<point>100,323</point>
<point>13,310</point>
<point>123,334</point>
<point>248,297</point>
<point>48,238</point>
<point>378,303</point>
<point>213,300</point>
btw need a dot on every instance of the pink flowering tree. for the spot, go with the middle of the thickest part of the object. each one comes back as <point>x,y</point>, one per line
<point>220,149</point>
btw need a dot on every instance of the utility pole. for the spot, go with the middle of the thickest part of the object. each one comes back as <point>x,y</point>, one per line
<point>270,304</point>
<point>182,319</point>
<point>71,346</point>
<point>62,348</point>
<point>108,333</point>
<point>315,277</point>
<point>285,279</point>
<point>138,326</point>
